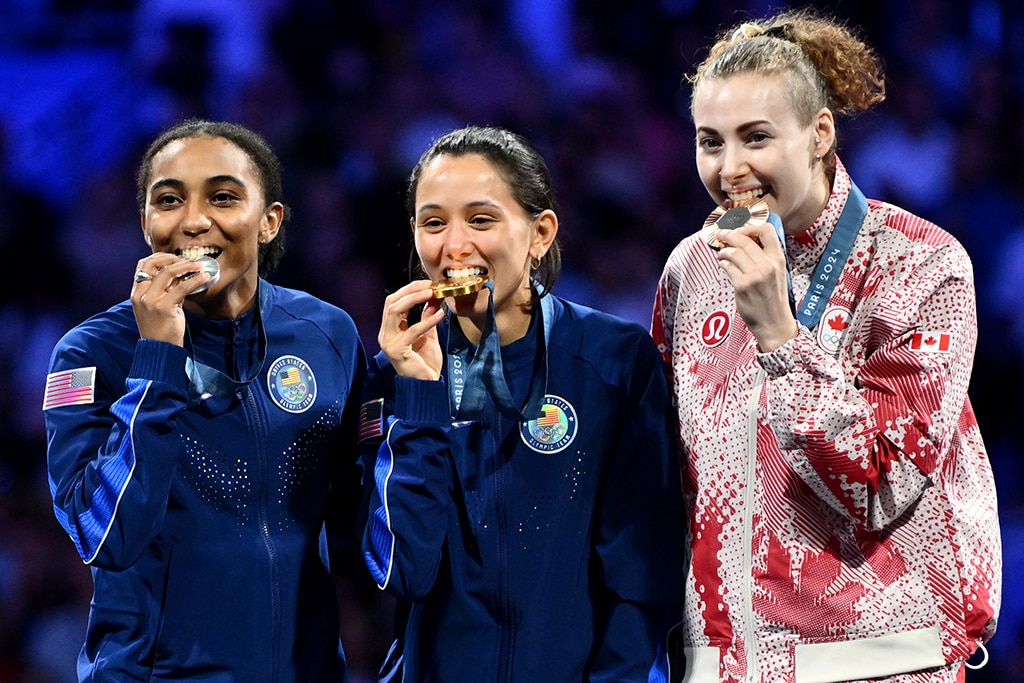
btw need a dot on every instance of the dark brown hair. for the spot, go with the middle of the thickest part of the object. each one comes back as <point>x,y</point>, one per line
<point>519,164</point>
<point>262,157</point>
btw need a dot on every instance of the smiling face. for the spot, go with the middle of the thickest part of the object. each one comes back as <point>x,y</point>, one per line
<point>203,197</point>
<point>466,221</point>
<point>750,143</point>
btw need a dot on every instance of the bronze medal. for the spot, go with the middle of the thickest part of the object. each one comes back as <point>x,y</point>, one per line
<point>754,212</point>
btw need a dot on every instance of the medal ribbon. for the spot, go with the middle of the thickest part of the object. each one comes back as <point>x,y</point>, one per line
<point>830,265</point>
<point>471,381</point>
<point>776,222</point>
<point>202,379</point>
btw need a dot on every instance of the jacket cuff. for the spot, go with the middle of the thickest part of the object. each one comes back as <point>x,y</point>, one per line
<point>160,362</point>
<point>419,401</point>
<point>784,359</point>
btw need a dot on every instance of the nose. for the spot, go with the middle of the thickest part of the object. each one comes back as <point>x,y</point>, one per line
<point>734,165</point>
<point>196,219</point>
<point>458,243</point>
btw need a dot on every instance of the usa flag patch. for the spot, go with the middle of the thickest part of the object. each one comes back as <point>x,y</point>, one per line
<point>930,341</point>
<point>371,419</point>
<point>70,387</point>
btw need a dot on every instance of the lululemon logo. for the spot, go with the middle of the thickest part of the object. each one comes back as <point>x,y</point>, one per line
<point>715,328</point>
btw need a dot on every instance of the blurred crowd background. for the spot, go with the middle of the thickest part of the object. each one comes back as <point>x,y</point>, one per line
<point>349,94</point>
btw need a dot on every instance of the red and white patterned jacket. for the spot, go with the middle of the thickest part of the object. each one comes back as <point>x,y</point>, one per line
<point>842,508</point>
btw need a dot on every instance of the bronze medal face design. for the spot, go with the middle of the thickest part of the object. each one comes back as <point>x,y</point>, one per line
<point>754,212</point>
<point>458,286</point>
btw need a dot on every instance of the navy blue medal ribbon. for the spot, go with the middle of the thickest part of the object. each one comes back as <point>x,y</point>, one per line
<point>776,222</point>
<point>471,381</point>
<point>830,265</point>
<point>203,380</point>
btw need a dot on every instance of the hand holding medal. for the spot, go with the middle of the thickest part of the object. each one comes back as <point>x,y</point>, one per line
<point>752,298</point>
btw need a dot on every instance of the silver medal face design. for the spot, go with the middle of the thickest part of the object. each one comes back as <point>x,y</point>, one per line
<point>211,266</point>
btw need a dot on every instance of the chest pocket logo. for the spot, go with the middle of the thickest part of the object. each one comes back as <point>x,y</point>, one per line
<point>715,328</point>
<point>831,329</point>
<point>292,384</point>
<point>554,430</point>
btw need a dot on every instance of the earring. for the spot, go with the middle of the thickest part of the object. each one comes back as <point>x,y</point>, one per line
<point>818,157</point>
<point>534,263</point>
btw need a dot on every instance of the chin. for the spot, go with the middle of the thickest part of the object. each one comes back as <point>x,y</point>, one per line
<point>470,305</point>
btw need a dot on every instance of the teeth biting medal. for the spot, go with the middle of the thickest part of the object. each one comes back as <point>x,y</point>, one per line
<point>459,286</point>
<point>750,212</point>
<point>211,266</point>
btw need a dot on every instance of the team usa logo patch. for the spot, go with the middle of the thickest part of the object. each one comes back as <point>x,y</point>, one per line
<point>832,327</point>
<point>715,328</point>
<point>554,430</point>
<point>292,384</point>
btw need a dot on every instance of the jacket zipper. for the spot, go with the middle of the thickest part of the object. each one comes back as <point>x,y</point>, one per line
<point>508,628</point>
<point>749,632</point>
<point>261,455</point>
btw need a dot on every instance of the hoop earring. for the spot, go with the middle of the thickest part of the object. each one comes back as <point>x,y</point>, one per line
<point>534,263</point>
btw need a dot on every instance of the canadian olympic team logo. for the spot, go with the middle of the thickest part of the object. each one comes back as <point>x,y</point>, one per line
<point>715,328</point>
<point>554,430</point>
<point>292,384</point>
<point>832,327</point>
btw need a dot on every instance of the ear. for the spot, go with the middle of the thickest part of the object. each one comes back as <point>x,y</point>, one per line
<point>545,233</point>
<point>824,131</point>
<point>273,216</point>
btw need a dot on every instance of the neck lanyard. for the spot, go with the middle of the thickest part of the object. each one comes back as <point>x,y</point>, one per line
<point>204,380</point>
<point>471,381</point>
<point>776,222</point>
<point>830,265</point>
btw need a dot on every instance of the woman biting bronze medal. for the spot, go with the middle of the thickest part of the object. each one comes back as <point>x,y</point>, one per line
<point>747,213</point>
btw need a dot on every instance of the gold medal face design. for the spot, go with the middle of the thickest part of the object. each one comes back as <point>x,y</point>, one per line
<point>750,212</point>
<point>458,286</point>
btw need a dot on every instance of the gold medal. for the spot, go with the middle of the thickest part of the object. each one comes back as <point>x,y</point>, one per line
<point>751,212</point>
<point>458,286</point>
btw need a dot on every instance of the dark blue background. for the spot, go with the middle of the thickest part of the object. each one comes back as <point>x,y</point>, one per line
<point>350,93</point>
